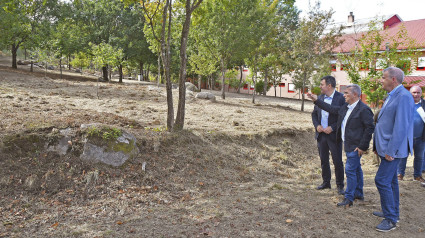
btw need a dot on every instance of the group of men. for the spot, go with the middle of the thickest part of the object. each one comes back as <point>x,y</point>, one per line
<point>343,120</point>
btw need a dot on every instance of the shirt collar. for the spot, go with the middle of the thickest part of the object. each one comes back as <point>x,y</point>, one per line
<point>395,89</point>
<point>332,95</point>
<point>353,105</point>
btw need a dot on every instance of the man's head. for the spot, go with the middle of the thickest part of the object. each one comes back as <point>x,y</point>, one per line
<point>352,93</point>
<point>391,78</point>
<point>327,85</point>
<point>416,92</point>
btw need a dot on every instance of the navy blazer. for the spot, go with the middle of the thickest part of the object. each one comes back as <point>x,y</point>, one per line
<point>359,127</point>
<point>316,115</point>
<point>394,127</point>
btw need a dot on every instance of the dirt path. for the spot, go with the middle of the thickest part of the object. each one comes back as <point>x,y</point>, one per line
<point>239,170</point>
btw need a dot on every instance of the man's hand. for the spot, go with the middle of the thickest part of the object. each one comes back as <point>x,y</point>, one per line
<point>313,97</point>
<point>319,128</point>
<point>328,130</point>
<point>361,152</point>
<point>389,158</point>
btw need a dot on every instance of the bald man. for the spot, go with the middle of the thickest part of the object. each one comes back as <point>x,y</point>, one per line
<point>418,138</point>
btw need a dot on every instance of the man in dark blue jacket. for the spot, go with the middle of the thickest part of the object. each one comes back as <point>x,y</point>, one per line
<point>418,138</point>
<point>326,125</point>
<point>355,128</point>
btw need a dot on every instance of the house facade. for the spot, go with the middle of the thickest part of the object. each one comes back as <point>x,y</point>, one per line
<point>353,31</point>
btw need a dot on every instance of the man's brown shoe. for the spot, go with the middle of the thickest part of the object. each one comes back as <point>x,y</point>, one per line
<point>400,177</point>
<point>420,179</point>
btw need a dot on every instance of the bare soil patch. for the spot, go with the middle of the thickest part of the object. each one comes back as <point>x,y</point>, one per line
<point>237,170</point>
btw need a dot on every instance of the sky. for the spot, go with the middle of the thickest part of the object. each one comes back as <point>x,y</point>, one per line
<point>407,10</point>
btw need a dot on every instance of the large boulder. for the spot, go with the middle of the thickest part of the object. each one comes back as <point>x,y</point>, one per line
<point>191,87</point>
<point>111,146</point>
<point>205,95</point>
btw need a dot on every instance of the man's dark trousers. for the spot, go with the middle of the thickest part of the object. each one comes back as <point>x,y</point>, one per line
<point>327,143</point>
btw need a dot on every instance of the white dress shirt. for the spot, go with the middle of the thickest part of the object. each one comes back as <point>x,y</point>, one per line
<point>347,115</point>
<point>325,114</point>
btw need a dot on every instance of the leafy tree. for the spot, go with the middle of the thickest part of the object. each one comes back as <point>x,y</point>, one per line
<point>312,48</point>
<point>228,28</point>
<point>21,22</point>
<point>369,56</point>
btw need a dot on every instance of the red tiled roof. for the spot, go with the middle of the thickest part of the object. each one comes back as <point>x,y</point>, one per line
<point>415,30</point>
<point>414,81</point>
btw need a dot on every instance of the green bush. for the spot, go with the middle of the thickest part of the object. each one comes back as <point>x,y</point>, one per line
<point>316,90</point>
<point>259,87</point>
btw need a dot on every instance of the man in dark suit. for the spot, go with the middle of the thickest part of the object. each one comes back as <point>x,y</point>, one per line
<point>418,138</point>
<point>355,128</point>
<point>326,125</point>
<point>392,141</point>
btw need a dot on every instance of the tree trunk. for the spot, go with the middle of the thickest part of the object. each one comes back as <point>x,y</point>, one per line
<point>275,92</point>
<point>105,73</point>
<point>60,65</point>
<point>199,82</point>
<point>159,69</point>
<point>302,92</point>
<point>109,73</point>
<point>223,96</point>
<point>240,79</point>
<point>120,72</point>
<point>254,79</point>
<point>146,76</point>
<point>141,71</point>
<point>14,56</point>
<point>25,50</point>
<point>266,84</point>
<point>166,58</point>
<point>32,66</point>
<point>69,63</point>
<point>183,64</point>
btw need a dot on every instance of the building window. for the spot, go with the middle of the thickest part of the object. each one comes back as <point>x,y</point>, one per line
<point>381,64</point>
<point>291,88</point>
<point>245,86</point>
<point>333,65</point>
<point>281,85</point>
<point>421,63</point>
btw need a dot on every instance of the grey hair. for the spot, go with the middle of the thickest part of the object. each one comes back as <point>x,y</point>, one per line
<point>395,72</point>
<point>420,89</point>
<point>355,89</point>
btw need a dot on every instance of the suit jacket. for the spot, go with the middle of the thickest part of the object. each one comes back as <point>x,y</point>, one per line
<point>359,126</point>
<point>316,115</point>
<point>394,126</point>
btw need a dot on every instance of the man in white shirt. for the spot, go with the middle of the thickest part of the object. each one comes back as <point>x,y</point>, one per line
<point>355,129</point>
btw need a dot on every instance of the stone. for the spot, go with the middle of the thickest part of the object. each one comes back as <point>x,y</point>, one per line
<point>191,87</point>
<point>65,142</point>
<point>77,71</point>
<point>205,95</point>
<point>50,67</point>
<point>115,152</point>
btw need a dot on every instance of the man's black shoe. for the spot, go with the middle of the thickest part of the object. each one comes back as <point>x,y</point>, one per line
<point>341,190</point>
<point>361,198</point>
<point>345,202</point>
<point>324,186</point>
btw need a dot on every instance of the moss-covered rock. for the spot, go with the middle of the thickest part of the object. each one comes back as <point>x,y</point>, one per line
<point>108,145</point>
